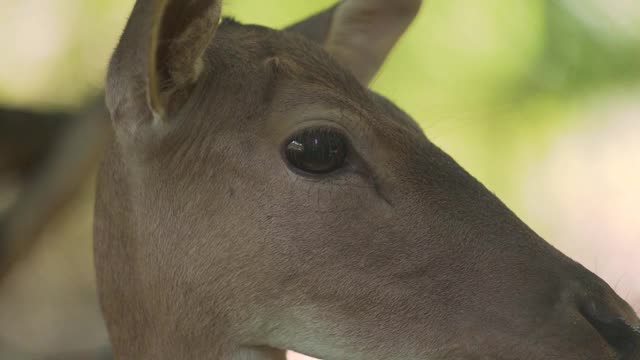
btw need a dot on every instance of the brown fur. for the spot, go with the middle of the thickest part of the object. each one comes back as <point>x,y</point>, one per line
<point>208,245</point>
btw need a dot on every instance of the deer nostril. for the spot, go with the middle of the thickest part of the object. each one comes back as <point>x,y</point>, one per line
<point>619,334</point>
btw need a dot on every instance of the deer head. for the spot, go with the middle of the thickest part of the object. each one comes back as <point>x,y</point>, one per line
<point>258,196</point>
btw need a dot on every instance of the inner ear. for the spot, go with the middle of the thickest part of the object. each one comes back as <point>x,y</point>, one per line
<point>181,32</point>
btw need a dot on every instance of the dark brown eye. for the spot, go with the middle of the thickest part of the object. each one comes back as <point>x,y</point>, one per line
<point>317,150</point>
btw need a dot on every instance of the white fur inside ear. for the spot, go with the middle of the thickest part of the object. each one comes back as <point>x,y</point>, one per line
<point>198,69</point>
<point>158,99</point>
<point>158,118</point>
<point>155,105</point>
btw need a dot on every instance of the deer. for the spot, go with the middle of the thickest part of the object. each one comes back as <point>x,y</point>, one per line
<point>258,196</point>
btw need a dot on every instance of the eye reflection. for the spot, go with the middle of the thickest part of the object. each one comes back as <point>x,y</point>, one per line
<point>317,150</point>
<point>295,146</point>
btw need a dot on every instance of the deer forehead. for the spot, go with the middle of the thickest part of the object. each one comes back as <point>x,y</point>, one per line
<point>242,58</point>
<point>259,77</point>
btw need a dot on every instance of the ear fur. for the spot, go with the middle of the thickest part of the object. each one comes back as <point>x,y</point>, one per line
<point>159,58</point>
<point>181,31</point>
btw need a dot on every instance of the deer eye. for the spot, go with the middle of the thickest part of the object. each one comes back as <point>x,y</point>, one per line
<point>317,150</point>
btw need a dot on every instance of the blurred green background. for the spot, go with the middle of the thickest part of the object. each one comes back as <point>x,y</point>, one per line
<point>539,99</point>
<point>492,81</point>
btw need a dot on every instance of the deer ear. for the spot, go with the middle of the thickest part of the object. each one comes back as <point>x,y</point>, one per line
<point>315,27</point>
<point>181,31</point>
<point>161,51</point>
<point>360,33</point>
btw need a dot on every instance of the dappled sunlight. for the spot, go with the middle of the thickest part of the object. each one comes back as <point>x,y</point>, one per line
<point>614,19</point>
<point>37,32</point>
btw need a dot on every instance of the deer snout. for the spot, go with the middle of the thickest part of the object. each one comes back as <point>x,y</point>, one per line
<point>623,337</point>
<point>611,317</point>
<point>620,330</point>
